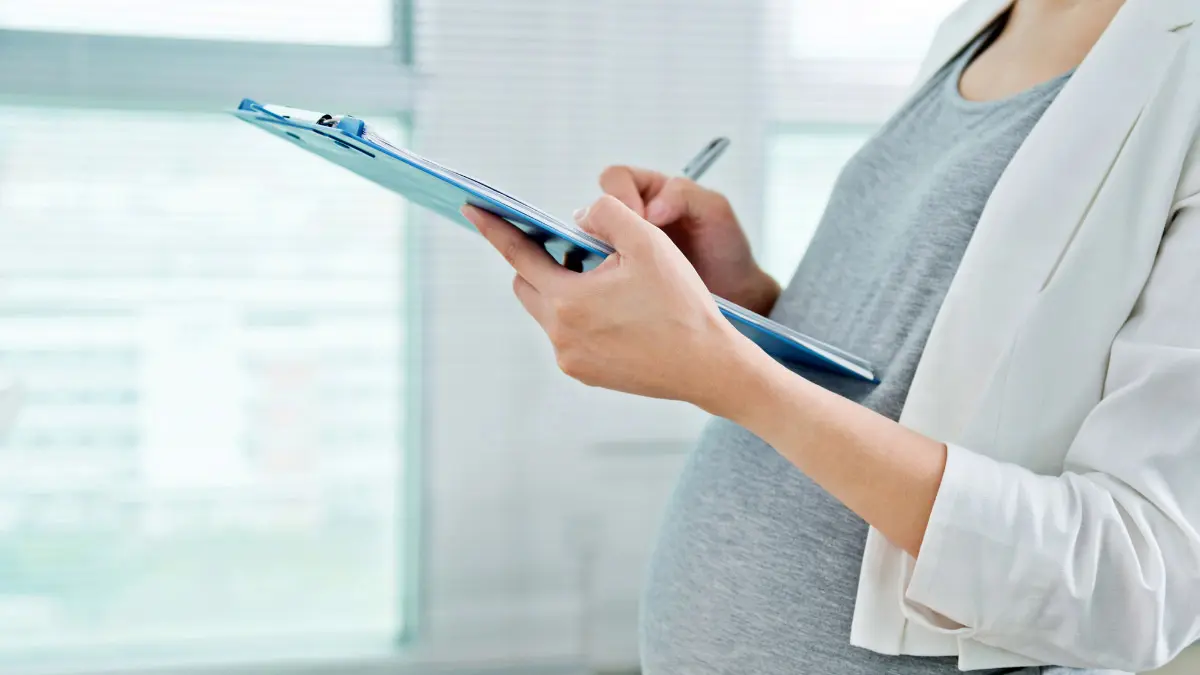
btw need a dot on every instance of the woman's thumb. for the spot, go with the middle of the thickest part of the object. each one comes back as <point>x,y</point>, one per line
<point>671,202</point>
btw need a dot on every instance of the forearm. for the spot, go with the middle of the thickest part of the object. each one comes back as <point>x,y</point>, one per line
<point>887,474</point>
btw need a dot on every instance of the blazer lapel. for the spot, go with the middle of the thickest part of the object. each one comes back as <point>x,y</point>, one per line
<point>1033,213</point>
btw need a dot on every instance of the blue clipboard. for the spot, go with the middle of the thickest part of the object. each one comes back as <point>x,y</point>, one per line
<point>350,143</point>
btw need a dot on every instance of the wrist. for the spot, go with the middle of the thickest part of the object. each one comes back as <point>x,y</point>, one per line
<point>762,292</point>
<point>742,380</point>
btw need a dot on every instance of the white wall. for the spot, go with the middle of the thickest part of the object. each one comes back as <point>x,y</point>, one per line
<point>538,96</point>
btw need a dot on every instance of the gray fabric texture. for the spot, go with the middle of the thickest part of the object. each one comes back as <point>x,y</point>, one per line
<point>756,567</point>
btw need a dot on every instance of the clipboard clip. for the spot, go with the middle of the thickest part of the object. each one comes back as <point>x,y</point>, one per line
<point>328,120</point>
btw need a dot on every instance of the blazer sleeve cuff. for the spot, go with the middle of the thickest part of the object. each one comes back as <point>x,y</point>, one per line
<point>961,582</point>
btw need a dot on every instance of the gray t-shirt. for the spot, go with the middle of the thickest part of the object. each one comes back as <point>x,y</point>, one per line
<point>756,567</point>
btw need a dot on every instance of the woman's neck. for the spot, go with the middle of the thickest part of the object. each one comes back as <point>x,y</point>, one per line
<point>1041,40</point>
<point>1062,29</point>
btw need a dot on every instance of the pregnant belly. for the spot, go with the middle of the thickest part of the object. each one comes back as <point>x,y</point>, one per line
<point>755,570</point>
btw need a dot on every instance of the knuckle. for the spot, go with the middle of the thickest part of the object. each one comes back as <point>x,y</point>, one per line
<point>566,313</point>
<point>511,250</point>
<point>563,361</point>
<point>606,206</point>
<point>722,205</point>
<point>613,173</point>
<point>679,185</point>
<point>678,191</point>
<point>567,363</point>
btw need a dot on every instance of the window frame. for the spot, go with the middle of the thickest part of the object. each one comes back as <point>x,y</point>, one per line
<point>806,94</point>
<point>784,130</point>
<point>76,70</point>
<point>81,70</point>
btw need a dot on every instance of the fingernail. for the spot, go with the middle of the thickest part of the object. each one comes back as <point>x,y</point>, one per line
<point>655,211</point>
<point>467,212</point>
<point>580,214</point>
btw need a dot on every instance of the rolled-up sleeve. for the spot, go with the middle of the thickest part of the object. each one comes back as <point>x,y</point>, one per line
<point>1100,566</point>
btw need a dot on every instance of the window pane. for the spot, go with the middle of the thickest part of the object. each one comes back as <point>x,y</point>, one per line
<point>346,22</point>
<point>209,446</point>
<point>865,29</point>
<point>802,167</point>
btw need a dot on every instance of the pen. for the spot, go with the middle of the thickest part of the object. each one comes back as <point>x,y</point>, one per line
<point>708,155</point>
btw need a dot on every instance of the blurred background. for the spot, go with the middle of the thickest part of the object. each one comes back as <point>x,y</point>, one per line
<point>274,420</point>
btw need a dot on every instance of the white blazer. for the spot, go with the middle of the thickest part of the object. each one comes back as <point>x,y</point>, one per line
<point>1063,371</point>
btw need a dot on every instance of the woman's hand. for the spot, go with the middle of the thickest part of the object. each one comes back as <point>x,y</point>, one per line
<point>641,322</point>
<point>702,224</point>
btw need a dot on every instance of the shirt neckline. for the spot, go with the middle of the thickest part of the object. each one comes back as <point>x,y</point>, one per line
<point>953,82</point>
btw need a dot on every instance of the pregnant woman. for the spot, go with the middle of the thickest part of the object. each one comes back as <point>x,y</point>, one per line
<point>1017,251</point>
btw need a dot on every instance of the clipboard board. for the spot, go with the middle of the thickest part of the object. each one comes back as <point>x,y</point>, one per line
<point>349,142</point>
